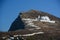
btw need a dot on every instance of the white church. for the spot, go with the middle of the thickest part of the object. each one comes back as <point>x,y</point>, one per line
<point>40,18</point>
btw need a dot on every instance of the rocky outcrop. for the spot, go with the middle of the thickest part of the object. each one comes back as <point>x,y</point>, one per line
<point>17,24</point>
<point>28,26</point>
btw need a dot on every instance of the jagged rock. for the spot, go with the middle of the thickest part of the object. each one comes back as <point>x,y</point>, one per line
<point>17,24</point>
<point>32,29</point>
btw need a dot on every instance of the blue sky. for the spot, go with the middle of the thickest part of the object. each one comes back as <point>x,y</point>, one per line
<point>9,9</point>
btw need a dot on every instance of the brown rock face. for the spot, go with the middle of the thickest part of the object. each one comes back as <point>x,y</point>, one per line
<point>51,31</point>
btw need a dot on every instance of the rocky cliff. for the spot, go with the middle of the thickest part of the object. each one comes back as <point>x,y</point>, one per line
<point>27,27</point>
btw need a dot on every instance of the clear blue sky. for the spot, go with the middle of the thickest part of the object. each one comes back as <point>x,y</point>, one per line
<point>9,9</point>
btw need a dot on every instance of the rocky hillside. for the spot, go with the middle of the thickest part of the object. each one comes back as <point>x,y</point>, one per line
<point>35,13</point>
<point>29,27</point>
